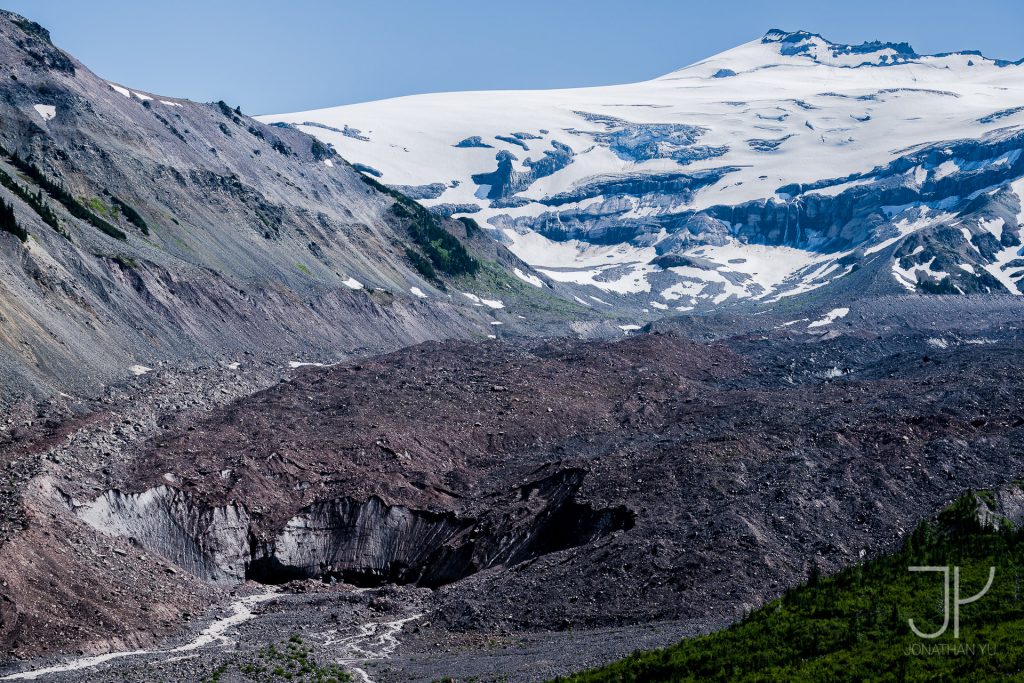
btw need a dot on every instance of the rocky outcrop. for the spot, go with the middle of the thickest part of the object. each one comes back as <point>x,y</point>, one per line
<point>506,181</point>
<point>431,191</point>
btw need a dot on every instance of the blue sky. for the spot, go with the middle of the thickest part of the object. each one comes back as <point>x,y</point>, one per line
<point>291,55</point>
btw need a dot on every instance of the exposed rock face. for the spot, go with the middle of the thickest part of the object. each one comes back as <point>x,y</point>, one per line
<point>646,141</point>
<point>814,46</point>
<point>432,191</point>
<point>548,520</point>
<point>506,181</point>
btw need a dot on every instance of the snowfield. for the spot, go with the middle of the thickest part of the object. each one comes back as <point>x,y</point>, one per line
<point>546,169</point>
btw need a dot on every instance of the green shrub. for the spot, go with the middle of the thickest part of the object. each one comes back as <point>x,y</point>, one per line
<point>320,151</point>
<point>131,214</point>
<point>472,227</point>
<point>97,205</point>
<point>126,262</point>
<point>445,251</point>
<point>293,660</point>
<point>281,148</point>
<point>421,264</point>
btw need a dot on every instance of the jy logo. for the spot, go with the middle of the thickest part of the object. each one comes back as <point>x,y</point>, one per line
<point>956,599</point>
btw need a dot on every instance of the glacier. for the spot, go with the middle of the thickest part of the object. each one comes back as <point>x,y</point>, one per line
<point>778,166</point>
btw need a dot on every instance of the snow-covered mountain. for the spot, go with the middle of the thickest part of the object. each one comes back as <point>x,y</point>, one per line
<point>768,170</point>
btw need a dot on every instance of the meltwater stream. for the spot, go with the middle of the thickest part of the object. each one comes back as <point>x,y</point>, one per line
<point>372,641</point>
<point>240,612</point>
<point>352,648</point>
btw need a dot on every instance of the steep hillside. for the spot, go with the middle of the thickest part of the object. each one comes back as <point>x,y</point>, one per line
<point>148,230</point>
<point>856,625</point>
<point>763,172</point>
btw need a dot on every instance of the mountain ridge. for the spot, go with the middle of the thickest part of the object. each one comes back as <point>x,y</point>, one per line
<point>162,232</point>
<point>903,49</point>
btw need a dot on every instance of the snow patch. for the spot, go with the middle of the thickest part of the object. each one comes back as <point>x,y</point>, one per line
<point>532,279</point>
<point>47,111</point>
<point>480,301</point>
<point>830,317</point>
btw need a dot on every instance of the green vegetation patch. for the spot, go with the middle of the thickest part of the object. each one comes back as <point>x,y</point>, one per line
<point>423,266</point>
<point>291,661</point>
<point>442,249</point>
<point>854,626</point>
<point>494,279</point>
<point>35,201</point>
<point>74,207</point>
<point>131,214</point>
<point>8,223</point>
<point>97,205</point>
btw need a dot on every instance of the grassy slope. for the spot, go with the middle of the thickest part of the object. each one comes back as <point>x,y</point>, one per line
<point>853,626</point>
